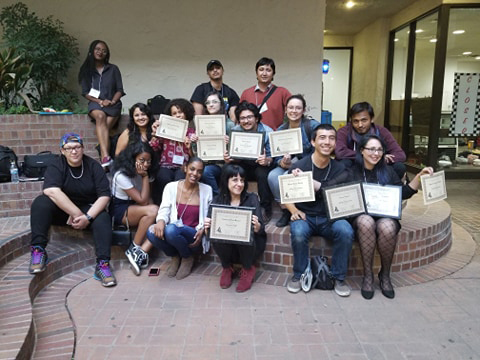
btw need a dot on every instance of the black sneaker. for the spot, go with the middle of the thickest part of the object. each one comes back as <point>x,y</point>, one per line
<point>284,219</point>
<point>38,260</point>
<point>137,257</point>
<point>103,273</point>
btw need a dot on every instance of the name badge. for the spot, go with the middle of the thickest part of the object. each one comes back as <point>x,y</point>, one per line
<point>263,108</point>
<point>94,93</point>
<point>178,159</point>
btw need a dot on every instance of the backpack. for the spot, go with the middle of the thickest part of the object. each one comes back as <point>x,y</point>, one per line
<point>157,104</point>
<point>6,157</point>
<point>321,273</point>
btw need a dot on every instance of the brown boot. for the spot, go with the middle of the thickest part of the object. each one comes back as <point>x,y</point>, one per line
<point>173,267</point>
<point>185,268</point>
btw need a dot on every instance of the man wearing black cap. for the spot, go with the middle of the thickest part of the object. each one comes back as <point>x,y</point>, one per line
<point>229,96</point>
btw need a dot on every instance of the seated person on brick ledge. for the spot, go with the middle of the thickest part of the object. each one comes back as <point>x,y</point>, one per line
<point>131,203</point>
<point>173,154</point>
<point>102,86</point>
<point>233,191</point>
<point>361,123</point>
<point>378,232</point>
<point>295,112</point>
<point>249,118</point>
<point>76,191</point>
<point>310,218</point>
<point>179,231</point>
<point>139,128</point>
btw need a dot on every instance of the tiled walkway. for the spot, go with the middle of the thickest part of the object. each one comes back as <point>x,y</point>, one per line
<point>161,318</point>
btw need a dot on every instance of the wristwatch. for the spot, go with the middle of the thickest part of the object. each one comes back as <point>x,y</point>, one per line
<point>89,218</point>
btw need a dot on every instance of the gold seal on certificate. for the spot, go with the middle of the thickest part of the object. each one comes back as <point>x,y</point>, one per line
<point>383,200</point>
<point>172,128</point>
<point>286,142</point>
<point>246,145</point>
<point>433,187</point>
<point>210,125</point>
<point>296,189</point>
<point>211,148</point>
<point>344,201</point>
<point>231,224</point>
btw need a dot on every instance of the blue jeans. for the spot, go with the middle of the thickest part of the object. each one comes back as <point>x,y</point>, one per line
<point>211,176</point>
<point>176,241</point>
<point>273,181</point>
<point>340,232</point>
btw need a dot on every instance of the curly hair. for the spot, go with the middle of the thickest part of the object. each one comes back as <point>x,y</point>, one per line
<point>125,161</point>
<point>88,67</point>
<point>245,105</point>
<point>184,105</point>
<point>133,131</point>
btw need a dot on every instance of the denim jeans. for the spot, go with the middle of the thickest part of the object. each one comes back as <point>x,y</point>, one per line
<point>339,231</point>
<point>273,181</point>
<point>176,240</point>
<point>211,176</point>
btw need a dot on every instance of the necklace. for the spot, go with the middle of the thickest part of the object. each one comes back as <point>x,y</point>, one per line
<point>71,173</point>
<point>328,170</point>
<point>189,198</point>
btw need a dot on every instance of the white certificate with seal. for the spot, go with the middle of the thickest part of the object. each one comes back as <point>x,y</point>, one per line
<point>210,125</point>
<point>246,145</point>
<point>296,189</point>
<point>344,201</point>
<point>172,128</point>
<point>434,188</point>
<point>231,224</point>
<point>286,142</point>
<point>211,148</point>
<point>383,200</point>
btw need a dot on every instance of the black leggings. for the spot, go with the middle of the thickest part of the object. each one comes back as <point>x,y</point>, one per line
<point>45,213</point>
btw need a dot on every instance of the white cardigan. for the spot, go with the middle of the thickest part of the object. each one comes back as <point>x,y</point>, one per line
<point>168,208</point>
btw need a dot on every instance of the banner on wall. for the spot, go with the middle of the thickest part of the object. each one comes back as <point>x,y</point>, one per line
<point>465,105</point>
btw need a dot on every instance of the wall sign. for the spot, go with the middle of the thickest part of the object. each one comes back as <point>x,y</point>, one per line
<point>466,105</point>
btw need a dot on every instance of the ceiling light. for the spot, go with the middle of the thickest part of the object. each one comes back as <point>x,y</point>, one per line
<point>396,39</point>
<point>477,57</point>
<point>467,53</point>
<point>349,4</point>
<point>418,31</point>
<point>433,40</point>
<point>457,32</point>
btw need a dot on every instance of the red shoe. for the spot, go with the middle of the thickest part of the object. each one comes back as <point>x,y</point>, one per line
<point>226,278</point>
<point>246,279</point>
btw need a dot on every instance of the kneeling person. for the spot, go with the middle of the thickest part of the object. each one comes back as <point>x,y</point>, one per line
<point>75,191</point>
<point>310,218</point>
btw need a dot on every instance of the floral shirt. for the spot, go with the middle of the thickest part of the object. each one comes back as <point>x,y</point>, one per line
<point>169,149</point>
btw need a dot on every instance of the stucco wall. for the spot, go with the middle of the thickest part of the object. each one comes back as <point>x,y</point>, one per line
<point>162,47</point>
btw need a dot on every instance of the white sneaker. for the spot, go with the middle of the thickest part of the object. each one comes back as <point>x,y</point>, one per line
<point>341,288</point>
<point>294,285</point>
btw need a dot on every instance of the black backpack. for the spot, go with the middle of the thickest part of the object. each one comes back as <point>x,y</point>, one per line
<point>34,166</point>
<point>157,104</point>
<point>6,157</point>
<point>321,273</point>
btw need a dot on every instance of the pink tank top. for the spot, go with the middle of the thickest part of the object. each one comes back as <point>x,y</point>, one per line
<point>190,216</point>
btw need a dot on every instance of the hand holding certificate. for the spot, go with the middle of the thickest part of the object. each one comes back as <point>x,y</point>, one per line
<point>210,125</point>
<point>211,148</point>
<point>231,224</point>
<point>296,189</point>
<point>286,142</point>
<point>246,145</point>
<point>434,188</point>
<point>172,128</point>
<point>383,200</point>
<point>344,201</point>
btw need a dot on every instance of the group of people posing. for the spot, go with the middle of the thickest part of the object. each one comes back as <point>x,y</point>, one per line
<point>164,189</point>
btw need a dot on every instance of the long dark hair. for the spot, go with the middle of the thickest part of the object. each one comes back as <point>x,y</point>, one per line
<point>88,67</point>
<point>222,103</point>
<point>125,161</point>
<point>133,131</point>
<point>229,171</point>
<point>380,168</point>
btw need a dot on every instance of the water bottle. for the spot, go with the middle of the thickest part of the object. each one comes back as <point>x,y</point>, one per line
<point>14,173</point>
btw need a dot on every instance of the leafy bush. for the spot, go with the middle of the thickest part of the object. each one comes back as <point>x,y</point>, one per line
<point>14,74</point>
<point>44,44</point>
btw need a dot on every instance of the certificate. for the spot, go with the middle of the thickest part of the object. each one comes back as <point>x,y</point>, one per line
<point>172,128</point>
<point>246,145</point>
<point>211,148</point>
<point>383,200</point>
<point>286,142</point>
<point>344,201</point>
<point>231,224</point>
<point>210,125</point>
<point>433,187</point>
<point>296,189</point>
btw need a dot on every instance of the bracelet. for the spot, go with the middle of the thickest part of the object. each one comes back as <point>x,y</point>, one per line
<point>89,218</point>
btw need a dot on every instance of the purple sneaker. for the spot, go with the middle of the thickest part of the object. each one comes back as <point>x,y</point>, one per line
<point>103,273</point>
<point>38,260</point>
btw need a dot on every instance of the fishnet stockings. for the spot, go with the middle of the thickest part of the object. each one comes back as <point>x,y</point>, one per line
<point>383,234</point>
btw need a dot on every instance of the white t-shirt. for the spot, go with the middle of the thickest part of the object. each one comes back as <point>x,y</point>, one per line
<point>121,182</point>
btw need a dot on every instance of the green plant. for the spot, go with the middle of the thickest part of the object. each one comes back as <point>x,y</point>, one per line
<point>14,74</point>
<point>14,109</point>
<point>44,44</point>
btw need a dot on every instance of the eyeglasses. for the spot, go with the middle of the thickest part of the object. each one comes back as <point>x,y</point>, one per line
<point>212,102</point>
<point>374,150</point>
<point>248,117</point>
<point>143,161</point>
<point>73,148</point>
<point>101,51</point>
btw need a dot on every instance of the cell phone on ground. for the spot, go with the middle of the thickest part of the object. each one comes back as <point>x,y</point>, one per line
<point>154,271</point>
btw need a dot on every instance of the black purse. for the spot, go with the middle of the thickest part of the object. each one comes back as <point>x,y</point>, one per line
<point>121,234</point>
<point>34,166</point>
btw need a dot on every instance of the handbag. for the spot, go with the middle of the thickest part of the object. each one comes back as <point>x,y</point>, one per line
<point>34,166</point>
